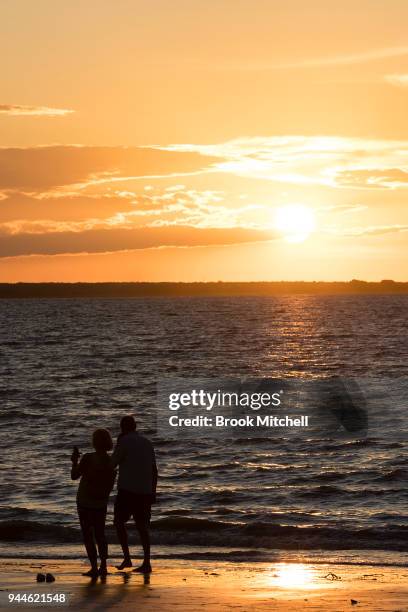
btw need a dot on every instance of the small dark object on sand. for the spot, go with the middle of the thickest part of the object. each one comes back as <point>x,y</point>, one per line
<point>353,602</point>
<point>49,578</point>
<point>331,576</point>
<point>372,577</point>
<point>40,578</point>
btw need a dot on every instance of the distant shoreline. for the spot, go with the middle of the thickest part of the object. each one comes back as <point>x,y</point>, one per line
<point>198,289</point>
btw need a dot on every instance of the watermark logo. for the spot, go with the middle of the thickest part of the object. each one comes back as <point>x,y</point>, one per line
<point>264,407</point>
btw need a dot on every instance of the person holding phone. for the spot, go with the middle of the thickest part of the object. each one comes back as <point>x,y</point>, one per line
<point>97,479</point>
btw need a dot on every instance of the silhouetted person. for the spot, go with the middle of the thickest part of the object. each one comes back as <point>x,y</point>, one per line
<point>134,454</point>
<point>97,479</point>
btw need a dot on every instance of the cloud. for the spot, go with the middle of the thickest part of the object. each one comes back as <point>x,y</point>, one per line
<point>344,208</point>
<point>18,110</point>
<point>110,240</point>
<point>328,161</point>
<point>76,207</point>
<point>373,230</point>
<point>390,178</point>
<point>315,62</point>
<point>399,80</point>
<point>23,213</point>
<point>63,207</point>
<point>67,167</point>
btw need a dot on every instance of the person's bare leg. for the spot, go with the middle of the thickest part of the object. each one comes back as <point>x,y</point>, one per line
<point>144,534</point>
<point>102,544</point>
<point>123,540</point>
<point>91,552</point>
<point>88,539</point>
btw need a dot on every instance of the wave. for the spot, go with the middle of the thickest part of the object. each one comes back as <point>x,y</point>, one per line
<point>69,552</point>
<point>182,530</point>
<point>397,474</point>
<point>11,415</point>
<point>22,530</point>
<point>324,491</point>
<point>321,491</point>
<point>190,524</point>
<point>331,476</point>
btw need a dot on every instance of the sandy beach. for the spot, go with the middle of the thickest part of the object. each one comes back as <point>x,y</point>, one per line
<point>186,585</point>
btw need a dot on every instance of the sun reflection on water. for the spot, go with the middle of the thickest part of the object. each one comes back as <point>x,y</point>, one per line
<point>293,575</point>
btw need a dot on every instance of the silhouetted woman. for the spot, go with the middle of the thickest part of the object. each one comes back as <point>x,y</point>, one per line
<point>97,479</point>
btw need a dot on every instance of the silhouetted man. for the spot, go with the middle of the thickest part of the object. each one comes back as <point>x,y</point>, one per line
<point>134,454</point>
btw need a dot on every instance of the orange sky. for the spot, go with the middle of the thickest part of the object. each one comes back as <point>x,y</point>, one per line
<point>156,140</point>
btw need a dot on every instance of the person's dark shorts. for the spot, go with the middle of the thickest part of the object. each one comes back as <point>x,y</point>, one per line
<point>136,505</point>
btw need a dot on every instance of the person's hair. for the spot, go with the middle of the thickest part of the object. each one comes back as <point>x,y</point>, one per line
<point>127,423</point>
<point>102,440</point>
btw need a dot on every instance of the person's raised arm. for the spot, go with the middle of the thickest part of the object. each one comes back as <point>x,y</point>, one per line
<point>77,469</point>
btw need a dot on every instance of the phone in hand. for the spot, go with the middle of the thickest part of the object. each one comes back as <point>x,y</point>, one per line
<point>75,454</point>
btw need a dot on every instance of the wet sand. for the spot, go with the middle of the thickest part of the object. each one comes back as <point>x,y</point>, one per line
<point>189,586</point>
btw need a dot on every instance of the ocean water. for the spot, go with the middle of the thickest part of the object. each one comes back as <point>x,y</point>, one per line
<point>68,366</point>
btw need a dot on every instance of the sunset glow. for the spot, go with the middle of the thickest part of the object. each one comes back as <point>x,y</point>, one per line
<point>149,154</point>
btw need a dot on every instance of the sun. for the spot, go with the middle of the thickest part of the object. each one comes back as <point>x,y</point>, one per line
<point>295,222</point>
